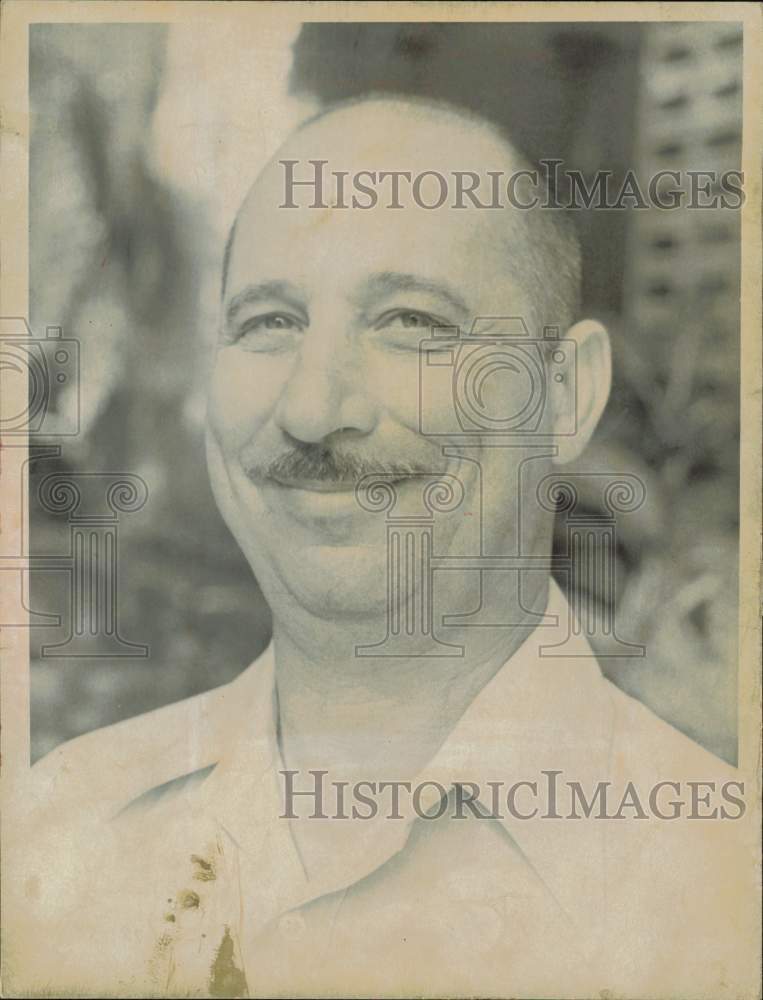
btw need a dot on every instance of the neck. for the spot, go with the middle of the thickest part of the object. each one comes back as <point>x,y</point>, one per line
<point>382,717</point>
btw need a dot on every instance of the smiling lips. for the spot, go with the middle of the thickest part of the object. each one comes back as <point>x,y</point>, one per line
<point>315,485</point>
<point>321,485</point>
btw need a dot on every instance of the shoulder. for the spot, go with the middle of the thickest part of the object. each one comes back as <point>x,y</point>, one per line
<point>108,769</point>
<point>678,867</point>
<point>90,887</point>
<point>687,824</point>
<point>649,746</point>
<point>80,878</point>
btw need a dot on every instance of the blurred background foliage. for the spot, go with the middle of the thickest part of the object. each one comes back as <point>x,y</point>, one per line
<point>127,227</point>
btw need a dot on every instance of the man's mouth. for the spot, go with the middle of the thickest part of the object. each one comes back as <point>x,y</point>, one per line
<point>315,485</point>
<point>327,485</point>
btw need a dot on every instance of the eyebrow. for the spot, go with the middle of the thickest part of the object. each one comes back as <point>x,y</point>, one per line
<point>396,281</point>
<point>382,283</point>
<point>266,290</point>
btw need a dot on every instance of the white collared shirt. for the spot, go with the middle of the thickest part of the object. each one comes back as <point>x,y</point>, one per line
<point>201,891</point>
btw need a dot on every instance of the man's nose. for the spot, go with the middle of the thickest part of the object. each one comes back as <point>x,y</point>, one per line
<point>325,392</point>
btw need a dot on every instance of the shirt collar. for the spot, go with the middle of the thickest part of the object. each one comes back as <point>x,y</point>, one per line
<point>539,713</point>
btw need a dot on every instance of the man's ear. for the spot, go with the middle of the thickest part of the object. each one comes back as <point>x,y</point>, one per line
<point>579,397</point>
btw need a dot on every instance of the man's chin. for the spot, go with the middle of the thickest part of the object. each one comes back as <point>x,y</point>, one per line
<point>337,581</point>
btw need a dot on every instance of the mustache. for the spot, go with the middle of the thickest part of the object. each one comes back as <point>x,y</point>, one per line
<point>320,463</point>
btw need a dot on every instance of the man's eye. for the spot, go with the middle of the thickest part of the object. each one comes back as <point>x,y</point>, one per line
<point>265,333</point>
<point>409,319</point>
<point>416,321</point>
<point>273,321</point>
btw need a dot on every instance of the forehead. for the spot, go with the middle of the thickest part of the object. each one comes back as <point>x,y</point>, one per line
<point>387,134</point>
<point>479,249</point>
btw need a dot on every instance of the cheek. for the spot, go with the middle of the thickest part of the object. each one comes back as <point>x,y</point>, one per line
<point>243,391</point>
<point>511,393</point>
<point>394,381</point>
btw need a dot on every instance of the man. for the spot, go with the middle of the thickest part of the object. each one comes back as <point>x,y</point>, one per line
<point>185,852</point>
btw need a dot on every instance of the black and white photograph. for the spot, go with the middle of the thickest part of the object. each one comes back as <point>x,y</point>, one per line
<point>381,537</point>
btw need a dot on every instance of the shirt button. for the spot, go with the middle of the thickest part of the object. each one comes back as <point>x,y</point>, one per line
<point>292,925</point>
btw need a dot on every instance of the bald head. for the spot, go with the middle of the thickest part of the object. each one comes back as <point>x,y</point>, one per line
<point>368,135</point>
